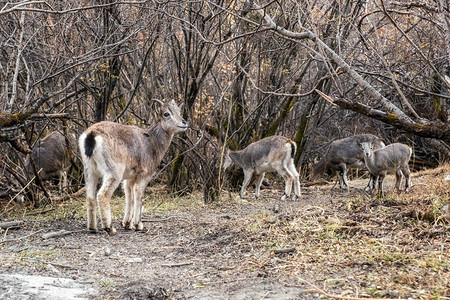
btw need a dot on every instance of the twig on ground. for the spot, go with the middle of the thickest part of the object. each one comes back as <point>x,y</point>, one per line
<point>314,210</point>
<point>282,251</point>
<point>337,296</point>
<point>157,220</point>
<point>164,219</point>
<point>61,265</point>
<point>10,224</point>
<point>60,233</point>
<point>51,263</point>
<point>267,293</point>
<point>317,182</point>
<point>22,237</point>
<point>39,212</point>
<point>173,265</point>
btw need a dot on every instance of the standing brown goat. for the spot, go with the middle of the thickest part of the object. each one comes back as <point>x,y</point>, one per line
<point>271,154</point>
<point>343,154</point>
<point>116,153</point>
<point>392,158</point>
<point>52,156</point>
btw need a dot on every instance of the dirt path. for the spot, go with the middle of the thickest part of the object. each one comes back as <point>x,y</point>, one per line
<point>229,250</point>
<point>195,255</point>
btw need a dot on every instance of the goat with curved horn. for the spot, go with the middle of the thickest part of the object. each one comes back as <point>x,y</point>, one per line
<point>392,158</point>
<point>342,155</point>
<point>116,153</point>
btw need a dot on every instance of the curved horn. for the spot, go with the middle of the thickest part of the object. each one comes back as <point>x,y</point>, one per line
<point>159,101</point>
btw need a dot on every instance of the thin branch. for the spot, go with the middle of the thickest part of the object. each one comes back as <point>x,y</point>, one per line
<point>406,84</point>
<point>50,116</point>
<point>392,77</point>
<point>173,265</point>
<point>413,44</point>
<point>339,61</point>
<point>138,79</point>
<point>23,7</point>
<point>200,137</point>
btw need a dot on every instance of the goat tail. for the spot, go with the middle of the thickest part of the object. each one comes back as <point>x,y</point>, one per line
<point>293,149</point>
<point>89,144</point>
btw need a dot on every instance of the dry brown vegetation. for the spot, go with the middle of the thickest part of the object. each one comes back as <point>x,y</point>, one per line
<point>313,71</point>
<point>330,244</point>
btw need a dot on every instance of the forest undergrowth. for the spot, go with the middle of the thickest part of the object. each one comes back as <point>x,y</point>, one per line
<point>331,244</point>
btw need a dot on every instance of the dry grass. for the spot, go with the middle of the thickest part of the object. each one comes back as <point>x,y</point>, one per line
<point>346,243</point>
<point>395,247</point>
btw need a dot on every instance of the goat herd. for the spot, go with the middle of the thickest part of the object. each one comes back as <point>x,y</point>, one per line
<point>119,153</point>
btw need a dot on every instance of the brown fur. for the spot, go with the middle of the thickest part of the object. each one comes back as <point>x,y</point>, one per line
<point>52,155</point>
<point>270,154</point>
<point>342,155</point>
<point>116,153</point>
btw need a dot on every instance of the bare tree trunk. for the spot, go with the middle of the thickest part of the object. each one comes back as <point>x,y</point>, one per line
<point>111,75</point>
<point>10,104</point>
<point>443,105</point>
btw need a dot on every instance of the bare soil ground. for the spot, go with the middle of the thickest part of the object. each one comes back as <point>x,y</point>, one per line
<point>330,244</point>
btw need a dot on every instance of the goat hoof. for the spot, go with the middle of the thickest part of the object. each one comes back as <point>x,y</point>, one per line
<point>126,225</point>
<point>284,197</point>
<point>240,199</point>
<point>93,230</point>
<point>110,231</point>
<point>139,226</point>
<point>296,198</point>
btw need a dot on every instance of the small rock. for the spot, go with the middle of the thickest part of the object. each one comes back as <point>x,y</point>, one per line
<point>53,269</point>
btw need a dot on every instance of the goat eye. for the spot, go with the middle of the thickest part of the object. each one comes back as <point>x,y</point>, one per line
<point>166,114</point>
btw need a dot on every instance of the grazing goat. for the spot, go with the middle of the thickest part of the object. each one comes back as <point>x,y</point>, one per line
<point>393,157</point>
<point>52,156</point>
<point>344,154</point>
<point>125,153</point>
<point>274,153</point>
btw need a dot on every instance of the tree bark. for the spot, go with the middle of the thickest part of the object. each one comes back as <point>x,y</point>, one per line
<point>10,104</point>
<point>436,129</point>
